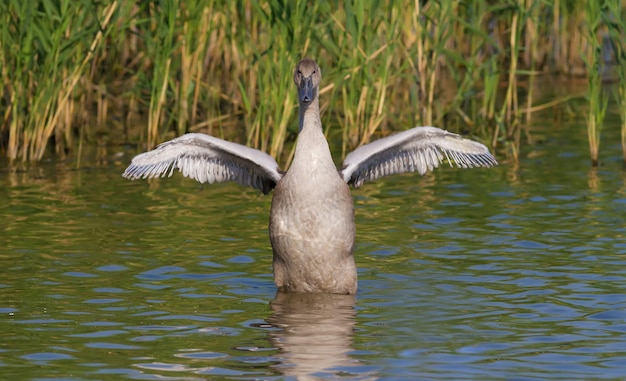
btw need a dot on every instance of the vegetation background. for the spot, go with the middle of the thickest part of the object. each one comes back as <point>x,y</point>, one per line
<point>84,72</point>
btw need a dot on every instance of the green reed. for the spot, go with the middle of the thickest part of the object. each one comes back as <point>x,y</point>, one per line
<point>621,99</point>
<point>596,96</point>
<point>45,52</point>
<point>616,29</point>
<point>148,71</point>
<point>363,87</point>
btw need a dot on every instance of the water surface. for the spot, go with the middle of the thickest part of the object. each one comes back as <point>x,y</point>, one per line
<point>516,272</point>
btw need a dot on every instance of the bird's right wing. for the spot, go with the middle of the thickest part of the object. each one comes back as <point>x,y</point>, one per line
<point>207,159</point>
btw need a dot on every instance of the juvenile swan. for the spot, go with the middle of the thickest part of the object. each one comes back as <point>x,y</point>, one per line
<point>312,217</point>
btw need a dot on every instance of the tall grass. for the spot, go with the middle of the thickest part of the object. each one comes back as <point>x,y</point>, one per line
<point>616,29</point>
<point>597,97</point>
<point>77,72</point>
<point>363,87</point>
<point>621,100</point>
<point>45,51</point>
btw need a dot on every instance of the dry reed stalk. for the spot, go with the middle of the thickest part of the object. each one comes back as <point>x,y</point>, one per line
<point>510,99</point>
<point>422,63</point>
<point>278,139</point>
<point>156,106</point>
<point>50,122</point>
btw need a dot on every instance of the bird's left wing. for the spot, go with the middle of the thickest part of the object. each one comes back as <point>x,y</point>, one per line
<point>419,149</point>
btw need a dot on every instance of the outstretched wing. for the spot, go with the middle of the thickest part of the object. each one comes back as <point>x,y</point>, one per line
<point>419,149</point>
<point>207,159</point>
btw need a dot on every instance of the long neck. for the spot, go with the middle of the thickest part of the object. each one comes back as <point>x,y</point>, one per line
<point>312,149</point>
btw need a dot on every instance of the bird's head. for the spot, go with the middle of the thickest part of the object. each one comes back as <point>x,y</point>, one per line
<point>307,77</point>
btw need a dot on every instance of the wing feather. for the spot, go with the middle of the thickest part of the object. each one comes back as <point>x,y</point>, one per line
<point>420,149</point>
<point>207,159</point>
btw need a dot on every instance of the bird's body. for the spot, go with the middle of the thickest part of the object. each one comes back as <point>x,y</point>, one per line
<point>312,216</point>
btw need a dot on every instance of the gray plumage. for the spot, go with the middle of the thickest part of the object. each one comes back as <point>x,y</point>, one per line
<point>207,159</point>
<point>420,149</point>
<point>312,216</point>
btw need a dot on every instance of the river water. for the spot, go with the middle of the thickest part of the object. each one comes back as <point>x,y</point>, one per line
<point>516,272</point>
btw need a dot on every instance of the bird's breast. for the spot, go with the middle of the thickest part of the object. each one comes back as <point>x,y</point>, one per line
<point>313,207</point>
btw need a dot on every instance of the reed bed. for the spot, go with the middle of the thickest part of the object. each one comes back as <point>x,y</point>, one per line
<point>78,72</point>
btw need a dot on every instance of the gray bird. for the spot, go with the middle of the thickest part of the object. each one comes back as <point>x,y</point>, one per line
<point>312,216</point>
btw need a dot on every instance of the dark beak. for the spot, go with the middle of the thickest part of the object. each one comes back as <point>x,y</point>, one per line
<point>305,91</point>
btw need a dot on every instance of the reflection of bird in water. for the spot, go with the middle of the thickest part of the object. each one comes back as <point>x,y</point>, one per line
<point>314,338</point>
<point>312,215</point>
